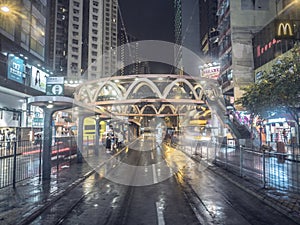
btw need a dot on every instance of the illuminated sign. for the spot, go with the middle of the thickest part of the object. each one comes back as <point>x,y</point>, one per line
<point>262,49</point>
<point>38,79</point>
<point>211,72</point>
<point>284,29</point>
<point>15,68</point>
<point>55,86</point>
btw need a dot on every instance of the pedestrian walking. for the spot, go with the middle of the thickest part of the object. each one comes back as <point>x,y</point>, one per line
<point>7,140</point>
<point>284,133</point>
<point>107,143</point>
<point>13,139</point>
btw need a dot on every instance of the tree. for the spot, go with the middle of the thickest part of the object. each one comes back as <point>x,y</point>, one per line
<point>277,90</point>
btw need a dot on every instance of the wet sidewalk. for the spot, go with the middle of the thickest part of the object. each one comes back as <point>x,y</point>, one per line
<point>32,195</point>
<point>285,202</point>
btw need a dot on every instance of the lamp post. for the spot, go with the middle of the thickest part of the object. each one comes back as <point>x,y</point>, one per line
<point>5,9</point>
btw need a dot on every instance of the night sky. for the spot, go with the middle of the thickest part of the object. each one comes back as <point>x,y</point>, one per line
<point>149,19</point>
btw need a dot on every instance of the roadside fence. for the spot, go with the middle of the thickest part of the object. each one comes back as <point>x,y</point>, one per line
<point>22,159</point>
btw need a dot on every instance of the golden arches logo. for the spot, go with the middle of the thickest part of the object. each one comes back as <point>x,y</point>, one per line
<point>286,29</point>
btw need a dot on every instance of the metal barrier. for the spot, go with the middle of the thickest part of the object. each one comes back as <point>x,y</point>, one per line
<point>271,169</point>
<point>20,160</point>
<point>268,168</point>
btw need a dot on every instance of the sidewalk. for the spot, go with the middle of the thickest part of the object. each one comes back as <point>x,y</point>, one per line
<point>284,202</point>
<point>32,195</point>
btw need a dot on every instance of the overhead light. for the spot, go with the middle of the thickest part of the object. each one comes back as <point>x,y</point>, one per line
<point>50,106</point>
<point>5,9</point>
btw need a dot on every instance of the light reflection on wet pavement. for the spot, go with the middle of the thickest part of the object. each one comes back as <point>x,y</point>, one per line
<point>217,200</point>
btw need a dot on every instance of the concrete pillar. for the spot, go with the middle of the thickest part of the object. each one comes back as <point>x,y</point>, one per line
<point>97,135</point>
<point>47,143</point>
<point>80,138</point>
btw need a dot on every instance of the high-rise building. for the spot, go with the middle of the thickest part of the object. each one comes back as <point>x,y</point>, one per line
<point>208,30</point>
<point>84,38</point>
<point>238,20</point>
<point>23,67</point>
<point>128,55</point>
<point>187,35</point>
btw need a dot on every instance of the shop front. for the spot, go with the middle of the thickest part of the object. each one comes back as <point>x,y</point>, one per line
<point>280,130</point>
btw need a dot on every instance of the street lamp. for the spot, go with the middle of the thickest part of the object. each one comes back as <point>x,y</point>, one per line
<point>5,9</point>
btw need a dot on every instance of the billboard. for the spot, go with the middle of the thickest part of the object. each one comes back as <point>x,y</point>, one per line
<point>15,68</point>
<point>38,79</point>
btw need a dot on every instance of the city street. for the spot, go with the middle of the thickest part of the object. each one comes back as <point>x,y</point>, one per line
<point>184,193</point>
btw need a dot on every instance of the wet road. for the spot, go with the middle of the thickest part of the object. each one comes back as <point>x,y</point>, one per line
<point>146,184</point>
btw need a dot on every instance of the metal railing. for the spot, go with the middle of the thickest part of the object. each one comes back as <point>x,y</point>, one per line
<point>268,169</point>
<point>20,160</point>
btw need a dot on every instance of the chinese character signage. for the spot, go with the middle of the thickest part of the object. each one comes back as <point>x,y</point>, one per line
<point>38,79</point>
<point>15,68</point>
<point>55,86</point>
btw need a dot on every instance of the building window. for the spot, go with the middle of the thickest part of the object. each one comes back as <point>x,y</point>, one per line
<point>74,49</point>
<point>75,18</point>
<point>74,41</point>
<point>74,66</point>
<point>95,17</point>
<point>255,5</point>
<point>95,3</point>
<point>76,4</point>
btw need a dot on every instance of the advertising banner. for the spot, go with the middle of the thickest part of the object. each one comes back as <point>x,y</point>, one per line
<point>15,68</point>
<point>38,79</point>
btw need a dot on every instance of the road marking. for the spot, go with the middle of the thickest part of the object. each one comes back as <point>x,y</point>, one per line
<point>154,174</point>
<point>160,215</point>
<point>152,155</point>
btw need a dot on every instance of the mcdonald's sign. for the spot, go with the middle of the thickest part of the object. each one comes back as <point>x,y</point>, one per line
<point>284,30</point>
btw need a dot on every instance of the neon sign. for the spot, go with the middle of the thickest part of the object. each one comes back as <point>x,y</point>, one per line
<point>262,49</point>
<point>286,29</point>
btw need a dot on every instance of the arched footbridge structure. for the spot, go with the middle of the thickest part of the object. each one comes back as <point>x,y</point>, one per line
<point>138,96</point>
<point>135,97</point>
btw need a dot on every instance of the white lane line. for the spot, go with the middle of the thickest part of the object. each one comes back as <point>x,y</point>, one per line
<point>152,155</point>
<point>160,215</point>
<point>154,174</point>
